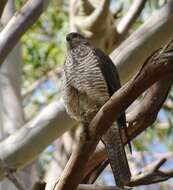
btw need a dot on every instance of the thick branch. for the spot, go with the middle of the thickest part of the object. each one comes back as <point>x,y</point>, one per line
<point>131,16</point>
<point>154,69</point>
<point>95,19</point>
<point>145,113</point>
<point>18,25</point>
<point>34,137</point>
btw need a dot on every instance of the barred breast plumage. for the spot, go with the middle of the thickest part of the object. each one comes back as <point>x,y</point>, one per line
<point>84,83</point>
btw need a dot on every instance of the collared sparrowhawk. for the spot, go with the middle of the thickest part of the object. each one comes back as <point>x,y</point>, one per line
<point>90,79</point>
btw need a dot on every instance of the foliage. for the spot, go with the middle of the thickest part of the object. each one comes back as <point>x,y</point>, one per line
<point>43,50</point>
<point>43,45</point>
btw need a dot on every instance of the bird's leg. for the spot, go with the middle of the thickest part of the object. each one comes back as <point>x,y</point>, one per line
<point>88,116</point>
<point>86,130</point>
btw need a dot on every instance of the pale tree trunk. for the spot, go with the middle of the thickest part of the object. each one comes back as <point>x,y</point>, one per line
<point>11,110</point>
<point>60,157</point>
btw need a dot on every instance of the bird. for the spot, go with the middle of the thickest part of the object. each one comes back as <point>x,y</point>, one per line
<point>89,80</point>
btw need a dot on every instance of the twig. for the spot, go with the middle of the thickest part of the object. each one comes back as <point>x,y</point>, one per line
<point>152,174</point>
<point>131,16</point>
<point>152,70</point>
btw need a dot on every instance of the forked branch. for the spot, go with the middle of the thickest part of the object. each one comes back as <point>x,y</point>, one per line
<point>152,174</point>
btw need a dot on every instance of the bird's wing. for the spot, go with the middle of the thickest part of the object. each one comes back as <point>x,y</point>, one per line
<point>109,71</point>
<point>111,77</point>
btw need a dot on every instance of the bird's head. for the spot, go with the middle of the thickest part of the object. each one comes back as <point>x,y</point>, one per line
<point>74,39</point>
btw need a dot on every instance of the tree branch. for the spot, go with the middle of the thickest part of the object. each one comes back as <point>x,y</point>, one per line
<point>152,174</point>
<point>34,137</point>
<point>154,69</point>
<point>132,53</point>
<point>92,19</point>
<point>94,174</point>
<point>18,25</point>
<point>146,113</point>
<point>131,16</point>
<point>149,175</point>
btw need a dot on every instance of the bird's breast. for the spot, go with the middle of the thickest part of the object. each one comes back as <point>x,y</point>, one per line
<point>85,77</point>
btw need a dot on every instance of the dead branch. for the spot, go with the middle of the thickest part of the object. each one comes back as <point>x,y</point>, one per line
<point>18,25</point>
<point>152,174</point>
<point>131,16</point>
<point>152,70</point>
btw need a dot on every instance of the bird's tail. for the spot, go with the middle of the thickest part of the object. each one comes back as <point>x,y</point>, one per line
<point>117,156</point>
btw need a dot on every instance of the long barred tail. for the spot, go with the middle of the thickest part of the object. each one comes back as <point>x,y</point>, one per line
<point>117,156</point>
